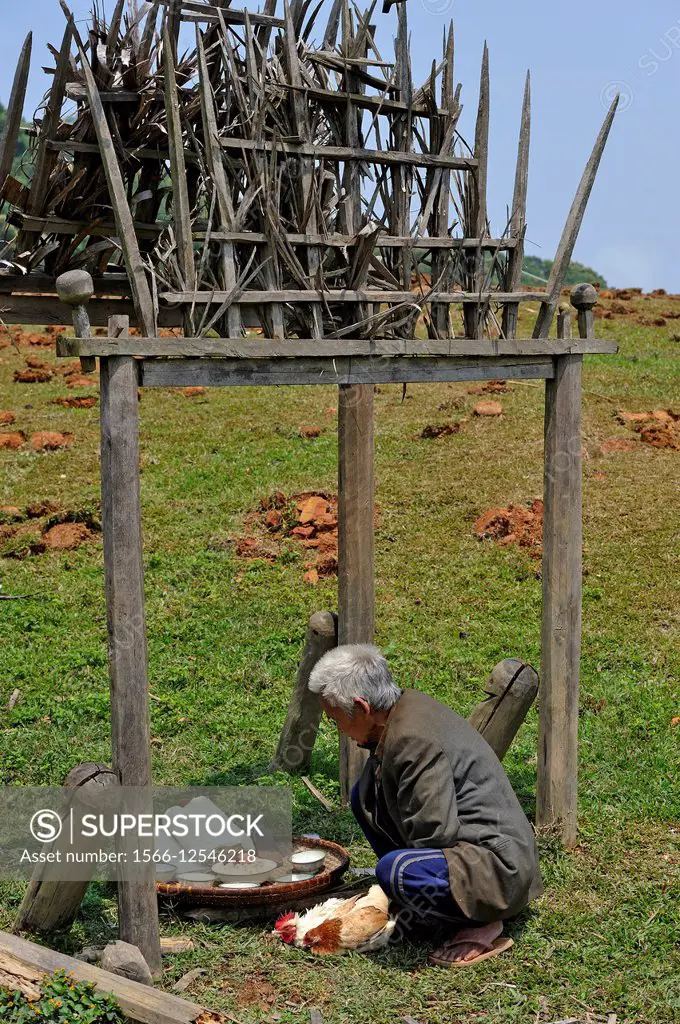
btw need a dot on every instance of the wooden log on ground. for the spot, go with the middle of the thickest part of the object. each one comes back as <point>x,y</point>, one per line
<point>356,542</point>
<point>50,903</point>
<point>294,752</point>
<point>562,592</point>
<point>24,963</point>
<point>512,688</point>
<point>124,578</point>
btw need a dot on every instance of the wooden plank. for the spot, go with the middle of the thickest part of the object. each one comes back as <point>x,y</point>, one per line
<point>62,226</point>
<point>181,206</point>
<point>225,207</point>
<point>255,297</point>
<point>271,348</point>
<point>383,241</point>
<point>139,1003</point>
<point>356,541</point>
<point>124,221</point>
<point>353,154</point>
<point>15,110</point>
<point>518,219</point>
<point>200,12</point>
<point>124,578</point>
<point>358,370</point>
<point>296,743</point>
<point>557,788</point>
<point>47,310</point>
<point>572,227</point>
<point>473,313</point>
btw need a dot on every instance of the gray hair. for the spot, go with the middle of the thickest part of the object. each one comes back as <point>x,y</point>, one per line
<point>354,670</point>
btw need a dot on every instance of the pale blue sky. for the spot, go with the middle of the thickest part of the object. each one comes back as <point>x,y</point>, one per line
<point>578,55</point>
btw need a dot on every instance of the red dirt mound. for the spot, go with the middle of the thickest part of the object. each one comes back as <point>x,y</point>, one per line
<point>78,381</point>
<point>516,524</point>
<point>445,430</point>
<point>12,439</point>
<point>192,392</point>
<point>309,519</point>
<point>66,536</point>
<point>49,440</point>
<point>488,409</point>
<point>32,376</point>
<point>6,418</point>
<point>662,435</point>
<point>76,403</point>
<point>38,509</point>
<point>659,428</point>
<point>310,430</point>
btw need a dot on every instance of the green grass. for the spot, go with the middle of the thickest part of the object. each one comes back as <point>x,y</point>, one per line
<point>225,637</point>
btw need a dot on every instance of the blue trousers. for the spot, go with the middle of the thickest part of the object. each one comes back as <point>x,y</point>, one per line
<point>416,880</point>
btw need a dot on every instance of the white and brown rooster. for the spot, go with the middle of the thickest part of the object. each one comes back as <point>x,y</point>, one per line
<point>362,923</point>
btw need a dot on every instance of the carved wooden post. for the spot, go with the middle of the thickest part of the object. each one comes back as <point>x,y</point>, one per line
<point>50,903</point>
<point>296,743</point>
<point>356,560</point>
<point>512,688</point>
<point>124,578</point>
<point>75,289</point>
<point>562,586</point>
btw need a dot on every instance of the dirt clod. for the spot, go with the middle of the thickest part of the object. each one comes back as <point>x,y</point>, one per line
<point>615,445</point>
<point>6,418</point>
<point>78,381</point>
<point>77,402</point>
<point>12,439</point>
<point>49,440</point>
<point>311,576</point>
<point>516,524</point>
<point>273,520</point>
<point>66,536</point>
<point>32,376</point>
<point>192,392</point>
<point>488,409</point>
<point>310,430</point>
<point>445,430</point>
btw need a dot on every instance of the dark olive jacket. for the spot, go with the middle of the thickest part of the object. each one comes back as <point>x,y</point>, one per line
<point>433,782</point>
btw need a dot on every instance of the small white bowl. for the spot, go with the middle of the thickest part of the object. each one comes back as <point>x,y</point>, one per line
<point>295,876</point>
<point>308,860</point>
<point>239,885</point>
<point>259,870</point>
<point>165,872</point>
<point>199,878</point>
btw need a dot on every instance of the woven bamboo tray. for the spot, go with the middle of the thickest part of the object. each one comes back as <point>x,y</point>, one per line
<point>335,865</point>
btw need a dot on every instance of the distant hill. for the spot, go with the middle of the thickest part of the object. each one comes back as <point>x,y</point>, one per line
<point>534,268</point>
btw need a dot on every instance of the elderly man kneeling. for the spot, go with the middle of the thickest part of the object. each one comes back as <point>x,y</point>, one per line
<point>453,843</point>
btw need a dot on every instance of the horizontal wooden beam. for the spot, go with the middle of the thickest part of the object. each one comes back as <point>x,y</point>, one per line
<point>140,1003</point>
<point>61,226</point>
<point>375,295</point>
<point>375,156</point>
<point>352,241</point>
<point>44,284</point>
<point>193,11</point>
<point>293,348</point>
<point>161,373</point>
<point>47,310</point>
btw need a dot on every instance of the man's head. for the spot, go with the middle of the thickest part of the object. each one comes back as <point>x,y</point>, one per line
<point>356,690</point>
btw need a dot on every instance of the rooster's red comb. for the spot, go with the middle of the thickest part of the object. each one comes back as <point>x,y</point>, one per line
<point>284,920</point>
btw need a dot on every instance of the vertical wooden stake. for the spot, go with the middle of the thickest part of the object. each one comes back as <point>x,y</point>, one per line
<point>356,559</point>
<point>124,576</point>
<point>562,588</point>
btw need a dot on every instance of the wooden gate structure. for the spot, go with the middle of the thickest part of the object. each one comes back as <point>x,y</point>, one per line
<point>305,215</point>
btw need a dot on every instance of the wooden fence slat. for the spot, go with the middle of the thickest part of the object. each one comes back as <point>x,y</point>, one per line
<point>15,109</point>
<point>518,220</point>
<point>572,227</point>
<point>121,209</point>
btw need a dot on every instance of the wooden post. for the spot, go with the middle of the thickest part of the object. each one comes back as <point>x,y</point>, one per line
<point>294,752</point>
<point>557,790</point>
<point>356,559</point>
<point>124,575</point>
<point>512,688</point>
<point>50,903</point>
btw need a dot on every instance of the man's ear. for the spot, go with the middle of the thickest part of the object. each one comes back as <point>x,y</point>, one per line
<point>362,705</point>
